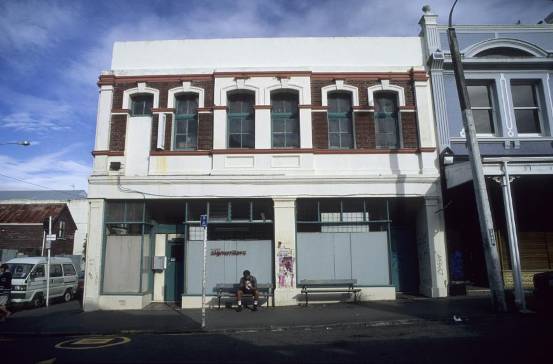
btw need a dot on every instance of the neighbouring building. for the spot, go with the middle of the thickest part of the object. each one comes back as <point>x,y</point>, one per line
<point>314,158</point>
<point>22,233</point>
<point>509,72</point>
<point>74,199</point>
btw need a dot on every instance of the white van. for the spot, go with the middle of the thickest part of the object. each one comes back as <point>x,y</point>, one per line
<point>29,279</point>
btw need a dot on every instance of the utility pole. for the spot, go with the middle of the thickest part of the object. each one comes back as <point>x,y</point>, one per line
<point>482,202</point>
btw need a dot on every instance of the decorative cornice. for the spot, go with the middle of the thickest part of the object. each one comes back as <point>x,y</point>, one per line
<point>291,151</point>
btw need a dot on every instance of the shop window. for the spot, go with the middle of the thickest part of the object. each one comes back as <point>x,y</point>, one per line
<point>526,107</point>
<point>186,122</point>
<point>285,119</point>
<point>141,104</point>
<point>340,125</point>
<point>386,120</point>
<point>241,120</point>
<point>482,106</point>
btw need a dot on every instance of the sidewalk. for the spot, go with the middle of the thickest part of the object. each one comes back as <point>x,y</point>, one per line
<point>68,319</point>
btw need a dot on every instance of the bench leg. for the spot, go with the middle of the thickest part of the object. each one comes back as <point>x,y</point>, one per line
<point>219,298</point>
<point>306,299</point>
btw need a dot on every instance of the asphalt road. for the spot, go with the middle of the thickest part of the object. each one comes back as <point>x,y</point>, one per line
<point>521,340</point>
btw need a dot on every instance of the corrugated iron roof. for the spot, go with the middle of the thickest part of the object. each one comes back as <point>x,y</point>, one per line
<point>29,213</point>
<point>43,195</point>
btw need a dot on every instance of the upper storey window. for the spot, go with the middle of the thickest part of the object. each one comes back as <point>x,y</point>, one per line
<point>186,121</point>
<point>241,120</point>
<point>340,126</point>
<point>141,104</point>
<point>386,120</point>
<point>503,52</point>
<point>482,106</point>
<point>285,119</point>
<point>526,106</point>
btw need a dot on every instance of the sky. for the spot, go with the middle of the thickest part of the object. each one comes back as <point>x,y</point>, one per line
<point>51,53</point>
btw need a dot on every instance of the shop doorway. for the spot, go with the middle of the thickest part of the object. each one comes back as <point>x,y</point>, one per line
<point>174,274</point>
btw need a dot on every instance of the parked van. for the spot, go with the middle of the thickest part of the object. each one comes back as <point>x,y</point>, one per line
<point>29,279</point>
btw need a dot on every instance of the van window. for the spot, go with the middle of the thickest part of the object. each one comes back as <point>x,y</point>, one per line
<point>19,270</point>
<point>39,271</point>
<point>55,270</point>
<point>68,270</point>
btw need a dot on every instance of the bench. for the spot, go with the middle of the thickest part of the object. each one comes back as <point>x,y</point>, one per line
<point>230,289</point>
<point>328,286</point>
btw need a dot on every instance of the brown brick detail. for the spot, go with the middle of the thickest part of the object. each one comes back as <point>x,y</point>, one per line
<point>409,130</point>
<point>168,131</point>
<point>205,132</point>
<point>320,130</point>
<point>155,126</point>
<point>117,132</point>
<point>362,85</point>
<point>364,130</point>
<point>163,88</point>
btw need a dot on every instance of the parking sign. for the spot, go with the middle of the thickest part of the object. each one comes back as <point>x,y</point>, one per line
<point>203,221</point>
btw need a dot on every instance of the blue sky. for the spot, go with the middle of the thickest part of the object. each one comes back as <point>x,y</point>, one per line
<point>51,53</point>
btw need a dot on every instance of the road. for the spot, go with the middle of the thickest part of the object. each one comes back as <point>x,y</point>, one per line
<point>521,339</point>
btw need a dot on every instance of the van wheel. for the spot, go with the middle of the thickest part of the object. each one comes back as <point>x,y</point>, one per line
<point>67,296</point>
<point>37,301</point>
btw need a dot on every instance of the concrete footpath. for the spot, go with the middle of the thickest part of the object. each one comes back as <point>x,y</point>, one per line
<point>68,319</point>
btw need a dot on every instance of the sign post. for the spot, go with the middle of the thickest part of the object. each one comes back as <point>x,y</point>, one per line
<point>48,246</point>
<point>203,224</point>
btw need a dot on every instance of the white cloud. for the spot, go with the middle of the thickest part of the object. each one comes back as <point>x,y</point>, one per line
<point>53,170</point>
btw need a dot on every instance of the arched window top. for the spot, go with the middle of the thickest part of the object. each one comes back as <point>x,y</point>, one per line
<point>385,102</point>
<point>386,87</point>
<point>339,102</point>
<point>339,85</point>
<point>504,48</point>
<point>503,52</point>
<point>141,104</point>
<point>241,101</point>
<point>186,104</point>
<point>130,94</point>
<point>284,101</point>
<point>185,88</point>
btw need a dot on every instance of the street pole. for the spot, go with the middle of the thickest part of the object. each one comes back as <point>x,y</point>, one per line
<point>203,219</point>
<point>43,242</point>
<point>520,300</point>
<point>482,202</point>
<point>48,265</point>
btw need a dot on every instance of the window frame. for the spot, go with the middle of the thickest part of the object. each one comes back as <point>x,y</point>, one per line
<point>536,88</point>
<point>331,115</point>
<point>295,115</point>
<point>490,85</point>
<point>398,125</point>
<point>242,116</point>
<point>187,118</point>
<point>133,101</point>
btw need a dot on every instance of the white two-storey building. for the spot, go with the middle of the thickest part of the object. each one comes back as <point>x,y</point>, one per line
<point>314,158</point>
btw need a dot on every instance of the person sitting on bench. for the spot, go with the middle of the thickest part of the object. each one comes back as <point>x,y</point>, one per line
<point>248,285</point>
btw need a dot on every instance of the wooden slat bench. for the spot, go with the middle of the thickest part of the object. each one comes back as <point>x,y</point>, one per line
<point>328,286</point>
<point>230,289</point>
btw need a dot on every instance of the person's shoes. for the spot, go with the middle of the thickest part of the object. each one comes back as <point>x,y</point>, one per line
<point>239,308</point>
<point>254,308</point>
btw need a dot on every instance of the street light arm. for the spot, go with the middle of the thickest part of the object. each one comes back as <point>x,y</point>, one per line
<point>451,12</point>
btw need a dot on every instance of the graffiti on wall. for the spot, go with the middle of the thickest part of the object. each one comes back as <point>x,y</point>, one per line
<point>285,266</point>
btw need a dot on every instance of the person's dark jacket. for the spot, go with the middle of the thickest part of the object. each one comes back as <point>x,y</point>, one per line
<point>6,282</point>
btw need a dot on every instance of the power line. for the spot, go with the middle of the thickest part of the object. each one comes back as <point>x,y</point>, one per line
<point>46,188</point>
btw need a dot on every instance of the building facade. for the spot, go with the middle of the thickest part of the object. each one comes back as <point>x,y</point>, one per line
<point>314,158</point>
<point>509,72</point>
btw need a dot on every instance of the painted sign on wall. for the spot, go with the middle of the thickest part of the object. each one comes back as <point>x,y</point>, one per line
<point>285,266</point>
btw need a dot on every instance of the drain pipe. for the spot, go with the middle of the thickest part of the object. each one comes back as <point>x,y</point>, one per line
<point>520,300</point>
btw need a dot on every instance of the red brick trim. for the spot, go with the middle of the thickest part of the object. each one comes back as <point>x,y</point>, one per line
<point>363,75</point>
<point>219,107</point>
<point>419,75</point>
<point>120,111</point>
<point>262,107</point>
<point>111,153</point>
<point>163,109</point>
<point>113,80</point>
<point>305,106</point>
<point>316,107</point>
<point>200,109</point>
<point>106,80</point>
<point>408,107</point>
<point>291,151</point>
<point>283,74</point>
